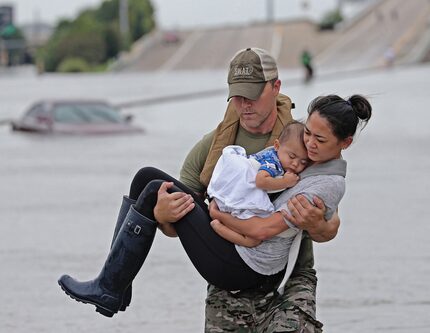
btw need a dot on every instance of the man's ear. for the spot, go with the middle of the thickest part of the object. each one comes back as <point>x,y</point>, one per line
<point>277,86</point>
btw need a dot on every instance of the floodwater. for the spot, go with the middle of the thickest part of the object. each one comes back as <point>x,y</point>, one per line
<point>59,196</point>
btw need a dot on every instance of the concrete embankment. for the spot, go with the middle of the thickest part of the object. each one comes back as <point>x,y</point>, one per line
<point>213,48</point>
<point>399,27</point>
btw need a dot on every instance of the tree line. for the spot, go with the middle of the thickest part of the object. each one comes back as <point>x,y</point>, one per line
<point>92,40</point>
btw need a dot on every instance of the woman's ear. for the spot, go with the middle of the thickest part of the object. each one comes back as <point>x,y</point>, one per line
<point>347,142</point>
<point>276,144</point>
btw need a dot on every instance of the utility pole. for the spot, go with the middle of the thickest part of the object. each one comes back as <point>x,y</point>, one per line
<point>123,22</point>
<point>340,5</point>
<point>270,11</point>
<point>305,5</point>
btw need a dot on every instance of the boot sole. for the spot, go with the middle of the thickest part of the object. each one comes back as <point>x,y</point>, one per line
<point>104,311</point>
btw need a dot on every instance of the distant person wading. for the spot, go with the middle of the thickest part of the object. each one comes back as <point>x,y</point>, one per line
<point>306,59</point>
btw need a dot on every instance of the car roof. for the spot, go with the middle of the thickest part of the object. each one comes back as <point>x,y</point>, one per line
<point>50,103</point>
<point>72,101</point>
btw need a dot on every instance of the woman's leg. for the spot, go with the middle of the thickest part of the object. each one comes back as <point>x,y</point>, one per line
<point>142,177</point>
<point>123,211</point>
<point>147,174</point>
<point>215,258</point>
<point>126,257</point>
<point>140,180</point>
<point>133,232</point>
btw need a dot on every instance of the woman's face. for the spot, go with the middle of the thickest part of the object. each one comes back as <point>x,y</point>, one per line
<point>320,141</point>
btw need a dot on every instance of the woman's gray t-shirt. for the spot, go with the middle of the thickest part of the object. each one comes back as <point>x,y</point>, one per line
<point>327,181</point>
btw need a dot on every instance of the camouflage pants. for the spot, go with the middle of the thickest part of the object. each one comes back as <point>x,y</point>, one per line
<point>250,312</point>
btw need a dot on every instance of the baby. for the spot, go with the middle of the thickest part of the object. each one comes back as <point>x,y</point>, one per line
<point>239,183</point>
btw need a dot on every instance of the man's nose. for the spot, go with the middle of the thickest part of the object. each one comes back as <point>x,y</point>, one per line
<point>246,101</point>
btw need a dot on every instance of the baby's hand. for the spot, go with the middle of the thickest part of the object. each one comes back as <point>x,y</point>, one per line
<point>290,179</point>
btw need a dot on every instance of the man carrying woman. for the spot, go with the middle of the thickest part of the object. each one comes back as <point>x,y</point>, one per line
<point>238,299</point>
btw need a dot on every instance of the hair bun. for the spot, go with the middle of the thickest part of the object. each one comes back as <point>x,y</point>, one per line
<point>361,107</point>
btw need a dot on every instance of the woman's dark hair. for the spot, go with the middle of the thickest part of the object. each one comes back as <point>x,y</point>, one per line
<point>344,116</point>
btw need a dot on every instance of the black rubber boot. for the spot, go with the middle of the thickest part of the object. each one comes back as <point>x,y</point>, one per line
<point>125,207</point>
<point>123,210</point>
<point>124,261</point>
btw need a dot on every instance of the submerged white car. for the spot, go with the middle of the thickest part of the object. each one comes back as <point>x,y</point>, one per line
<point>74,117</point>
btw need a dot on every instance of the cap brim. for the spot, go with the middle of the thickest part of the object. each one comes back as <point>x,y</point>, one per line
<point>249,90</point>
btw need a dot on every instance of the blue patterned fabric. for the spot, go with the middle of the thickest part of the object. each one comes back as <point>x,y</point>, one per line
<point>268,158</point>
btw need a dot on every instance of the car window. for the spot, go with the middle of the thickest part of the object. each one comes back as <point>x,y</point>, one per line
<point>86,113</point>
<point>36,111</point>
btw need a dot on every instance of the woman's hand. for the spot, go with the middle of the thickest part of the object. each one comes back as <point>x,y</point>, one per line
<point>171,207</point>
<point>311,218</point>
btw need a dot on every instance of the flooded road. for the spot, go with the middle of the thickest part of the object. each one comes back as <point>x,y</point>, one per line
<point>59,196</point>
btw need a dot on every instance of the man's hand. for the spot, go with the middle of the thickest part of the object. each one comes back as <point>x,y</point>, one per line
<point>305,215</point>
<point>171,207</point>
<point>311,218</point>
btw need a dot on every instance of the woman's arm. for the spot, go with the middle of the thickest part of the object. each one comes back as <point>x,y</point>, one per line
<point>255,227</point>
<point>233,236</point>
<point>311,218</point>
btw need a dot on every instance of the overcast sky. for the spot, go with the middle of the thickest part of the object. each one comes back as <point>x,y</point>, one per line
<point>176,13</point>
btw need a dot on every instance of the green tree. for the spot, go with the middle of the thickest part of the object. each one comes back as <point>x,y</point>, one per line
<point>141,17</point>
<point>94,35</point>
<point>330,19</point>
<point>73,65</point>
<point>13,39</point>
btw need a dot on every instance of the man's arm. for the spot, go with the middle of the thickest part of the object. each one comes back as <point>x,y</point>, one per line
<point>233,236</point>
<point>171,207</point>
<point>311,218</point>
<point>194,163</point>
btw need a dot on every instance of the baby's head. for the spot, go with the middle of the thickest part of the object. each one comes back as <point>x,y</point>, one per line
<point>291,149</point>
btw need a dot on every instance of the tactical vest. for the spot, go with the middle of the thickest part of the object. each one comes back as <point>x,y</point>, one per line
<point>225,133</point>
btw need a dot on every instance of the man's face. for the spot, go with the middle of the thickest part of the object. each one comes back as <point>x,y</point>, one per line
<point>258,116</point>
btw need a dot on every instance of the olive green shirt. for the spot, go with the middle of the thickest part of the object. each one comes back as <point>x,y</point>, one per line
<point>194,162</point>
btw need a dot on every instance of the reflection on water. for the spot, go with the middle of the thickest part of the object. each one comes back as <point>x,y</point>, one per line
<point>59,196</point>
